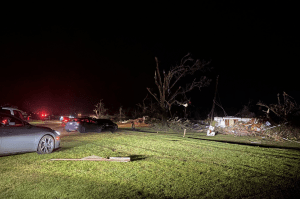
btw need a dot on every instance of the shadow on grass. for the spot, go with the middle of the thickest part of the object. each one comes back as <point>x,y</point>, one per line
<point>24,152</point>
<point>135,130</point>
<point>214,140</point>
<point>137,157</point>
<point>62,149</point>
<point>14,154</point>
<point>247,144</point>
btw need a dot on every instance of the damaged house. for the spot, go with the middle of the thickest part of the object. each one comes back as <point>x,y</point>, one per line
<point>240,126</point>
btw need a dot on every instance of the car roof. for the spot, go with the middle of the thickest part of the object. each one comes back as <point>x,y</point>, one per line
<point>9,115</point>
<point>10,108</point>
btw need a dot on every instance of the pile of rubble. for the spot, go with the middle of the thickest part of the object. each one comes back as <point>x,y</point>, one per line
<point>179,124</point>
<point>139,122</point>
<point>242,126</point>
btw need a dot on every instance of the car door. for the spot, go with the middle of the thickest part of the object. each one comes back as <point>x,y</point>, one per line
<point>108,124</point>
<point>91,125</point>
<point>85,122</point>
<point>104,123</point>
<point>15,136</point>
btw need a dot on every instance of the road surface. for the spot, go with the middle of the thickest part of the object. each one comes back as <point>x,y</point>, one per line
<point>56,125</point>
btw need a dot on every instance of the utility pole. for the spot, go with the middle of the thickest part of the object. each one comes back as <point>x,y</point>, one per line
<point>213,106</point>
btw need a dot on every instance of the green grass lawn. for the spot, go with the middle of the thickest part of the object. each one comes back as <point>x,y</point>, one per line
<point>164,165</point>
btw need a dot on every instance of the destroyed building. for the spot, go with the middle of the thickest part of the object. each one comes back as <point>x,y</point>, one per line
<point>241,126</point>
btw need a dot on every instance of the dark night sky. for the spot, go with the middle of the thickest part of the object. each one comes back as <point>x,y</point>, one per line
<point>72,61</point>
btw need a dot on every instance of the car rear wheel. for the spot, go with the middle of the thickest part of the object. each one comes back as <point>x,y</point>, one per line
<point>81,129</point>
<point>46,145</point>
<point>115,128</point>
<point>68,130</point>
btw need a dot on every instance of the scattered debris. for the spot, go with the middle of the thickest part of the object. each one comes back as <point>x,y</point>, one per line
<point>237,126</point>
<point>229,120</point>
<point>210,131</point>
<point>290,140</point>
<point>241,126</point>
<point>254,127</point>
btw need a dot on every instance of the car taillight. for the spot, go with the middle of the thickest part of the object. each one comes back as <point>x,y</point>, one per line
<point>57,138</point>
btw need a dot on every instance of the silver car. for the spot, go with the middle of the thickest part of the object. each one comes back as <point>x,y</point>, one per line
<point>18,136</point>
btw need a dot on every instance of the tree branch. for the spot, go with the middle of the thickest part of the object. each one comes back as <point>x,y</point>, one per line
<point>153,95</point>
<point>167,93</point>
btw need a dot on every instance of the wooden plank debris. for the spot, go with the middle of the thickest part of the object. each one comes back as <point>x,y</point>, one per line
<point>97,158</point>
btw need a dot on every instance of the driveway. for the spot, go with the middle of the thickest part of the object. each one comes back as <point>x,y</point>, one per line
<point>56,125</point>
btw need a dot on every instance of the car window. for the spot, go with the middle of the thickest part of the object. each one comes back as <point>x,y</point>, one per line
<point>18,114</point>
<point>10,122</point>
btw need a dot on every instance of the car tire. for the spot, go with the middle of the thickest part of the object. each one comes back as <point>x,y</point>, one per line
<point>68,130</point>
<point>115,128</point>
<point>99,130</point>
<point>46,145</point>
<point>81,129</point>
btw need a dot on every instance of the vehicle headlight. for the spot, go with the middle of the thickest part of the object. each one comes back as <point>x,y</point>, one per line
<point>57,132</point>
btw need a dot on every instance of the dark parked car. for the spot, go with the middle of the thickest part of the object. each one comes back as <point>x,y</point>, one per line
<point>84,125</point>
<point>18,136</point>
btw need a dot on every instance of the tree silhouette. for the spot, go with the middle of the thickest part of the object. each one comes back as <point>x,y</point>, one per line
<point>169,84</point>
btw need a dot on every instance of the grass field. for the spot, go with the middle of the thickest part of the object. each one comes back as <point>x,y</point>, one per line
<point>163,165</point>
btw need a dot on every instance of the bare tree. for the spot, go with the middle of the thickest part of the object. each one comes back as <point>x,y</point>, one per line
<point>168,84</point>
<point>120,110</point>
<point>185,103</point>
<point>148,107</point>
<point>100,110</point>
<point>282,109</point>
<point>143,106</point>
<point>246,111</point>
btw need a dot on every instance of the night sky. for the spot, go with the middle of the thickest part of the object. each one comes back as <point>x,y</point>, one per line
<point>68,63</point>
